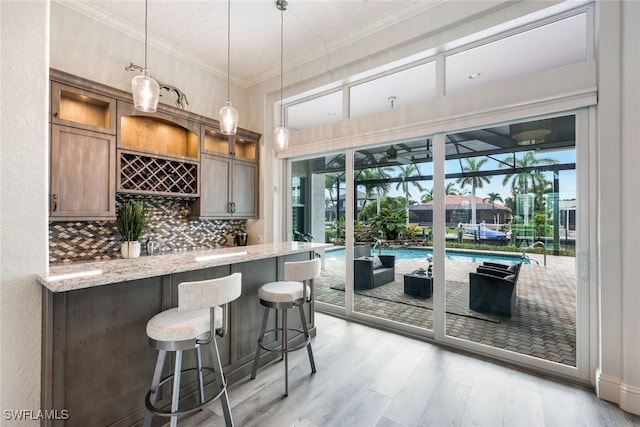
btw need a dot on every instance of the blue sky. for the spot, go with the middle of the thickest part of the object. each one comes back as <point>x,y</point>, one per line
<point>567,178</point>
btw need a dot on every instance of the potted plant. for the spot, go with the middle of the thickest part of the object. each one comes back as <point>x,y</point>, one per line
<point>131,221</point>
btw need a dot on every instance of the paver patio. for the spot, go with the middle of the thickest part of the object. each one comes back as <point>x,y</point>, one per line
<point>543,324</point>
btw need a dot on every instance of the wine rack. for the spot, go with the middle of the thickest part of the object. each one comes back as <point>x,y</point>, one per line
<point>141,174</point>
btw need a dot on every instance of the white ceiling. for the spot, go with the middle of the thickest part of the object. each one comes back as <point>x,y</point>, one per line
<point>196,30</point>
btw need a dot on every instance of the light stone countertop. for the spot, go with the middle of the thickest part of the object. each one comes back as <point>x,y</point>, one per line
<point>90,274</point>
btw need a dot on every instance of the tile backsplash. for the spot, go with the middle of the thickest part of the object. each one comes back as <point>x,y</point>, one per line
<point>81,241</point>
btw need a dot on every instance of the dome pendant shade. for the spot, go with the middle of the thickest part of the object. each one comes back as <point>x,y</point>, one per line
<point>281,136</point>
<point>146,92</point>
<point>228,119</point>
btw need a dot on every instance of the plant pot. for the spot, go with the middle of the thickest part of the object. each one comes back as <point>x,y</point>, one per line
<point>130,249</point>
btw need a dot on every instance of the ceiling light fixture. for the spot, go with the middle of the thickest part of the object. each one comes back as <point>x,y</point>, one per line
<point>530,133</point>
<point>228,114</point>
<point>474,76</point>
<point>392,99</point>
<point>281,133</point>
<point>144,89</point>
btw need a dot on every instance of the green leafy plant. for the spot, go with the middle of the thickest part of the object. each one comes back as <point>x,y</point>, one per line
<point>131,220</point>
<point>413,230</point>
<point>391,222</point>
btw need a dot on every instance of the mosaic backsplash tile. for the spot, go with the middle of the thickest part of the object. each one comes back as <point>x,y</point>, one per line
<point>169,227</point>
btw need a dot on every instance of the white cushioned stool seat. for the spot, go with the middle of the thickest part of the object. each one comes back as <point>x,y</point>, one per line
<point>176,325</point>
<point>283,291</point>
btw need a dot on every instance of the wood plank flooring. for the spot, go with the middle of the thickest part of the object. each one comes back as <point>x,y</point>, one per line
<point>367,377</point>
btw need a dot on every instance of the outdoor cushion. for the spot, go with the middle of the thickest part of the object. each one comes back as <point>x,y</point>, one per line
<point>376,262</point>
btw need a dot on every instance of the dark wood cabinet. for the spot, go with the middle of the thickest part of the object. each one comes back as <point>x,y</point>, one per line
<point>101,145</point>
<point>82,174</point>
<point>229,175</point>
<point>82,154</point>
<point>81,108</point>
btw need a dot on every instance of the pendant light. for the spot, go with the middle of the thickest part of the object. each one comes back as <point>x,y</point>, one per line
<point>281,133</point>
<point>145,90</point>
<point>228,114</point>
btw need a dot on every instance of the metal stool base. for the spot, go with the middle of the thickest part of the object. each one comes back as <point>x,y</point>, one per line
<point>283,347</point>
<point>162,413</point>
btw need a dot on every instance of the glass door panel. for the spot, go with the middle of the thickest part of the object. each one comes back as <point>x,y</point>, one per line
<point>510,209</point>
<point>393,232</point>
<point>317,202</point>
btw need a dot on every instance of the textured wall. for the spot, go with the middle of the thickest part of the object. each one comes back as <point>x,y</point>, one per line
<point>71,242</point>
<point>24,75</point>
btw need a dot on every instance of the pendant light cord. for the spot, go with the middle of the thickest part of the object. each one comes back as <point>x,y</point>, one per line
<point>145,34</point>
<point>281,64</point>
<point>228,49</point>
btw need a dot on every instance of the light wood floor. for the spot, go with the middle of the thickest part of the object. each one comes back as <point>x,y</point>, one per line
<point>366,377</point>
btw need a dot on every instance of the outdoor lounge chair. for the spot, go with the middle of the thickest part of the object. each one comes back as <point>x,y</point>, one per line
<point>493,290</point>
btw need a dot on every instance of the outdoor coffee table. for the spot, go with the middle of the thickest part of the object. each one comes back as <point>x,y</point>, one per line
<point>418,284</point>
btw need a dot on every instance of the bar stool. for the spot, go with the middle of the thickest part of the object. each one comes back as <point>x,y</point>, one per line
<point>202,313</point>
<point>283,295</point>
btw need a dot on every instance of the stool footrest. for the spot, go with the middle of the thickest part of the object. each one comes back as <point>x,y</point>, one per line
<point>163,413</point>
<point>280,349</point>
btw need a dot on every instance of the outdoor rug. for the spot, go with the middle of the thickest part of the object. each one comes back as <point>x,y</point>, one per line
<point>457,298</point>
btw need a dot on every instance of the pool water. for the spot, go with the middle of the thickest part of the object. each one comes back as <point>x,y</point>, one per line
<point>402,253</point>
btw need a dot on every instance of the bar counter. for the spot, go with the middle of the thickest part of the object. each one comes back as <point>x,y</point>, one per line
<point>96,360</point>
<point>89,274</point>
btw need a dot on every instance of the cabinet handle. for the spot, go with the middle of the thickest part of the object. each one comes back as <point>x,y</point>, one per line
<point>54,202</point>
<point>230,207</point>
<point>233,207</point>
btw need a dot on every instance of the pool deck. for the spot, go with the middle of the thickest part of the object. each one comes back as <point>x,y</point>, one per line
<point>543,324</point>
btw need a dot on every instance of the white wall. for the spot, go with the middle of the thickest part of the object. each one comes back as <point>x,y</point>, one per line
<point>98,52</point>
<point>23,197</point>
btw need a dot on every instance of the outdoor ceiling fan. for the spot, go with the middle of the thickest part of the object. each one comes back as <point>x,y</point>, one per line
<point>407,154</point>
<point>391,155</point>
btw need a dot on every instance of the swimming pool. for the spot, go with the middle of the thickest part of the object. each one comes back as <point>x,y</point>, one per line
<point>414,253</point>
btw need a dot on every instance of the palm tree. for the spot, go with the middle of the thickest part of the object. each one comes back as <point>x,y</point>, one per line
<point>427,197</point>
<point>406,172</point>
<point>492,198</point>
<point>450,189</point>
<point>381,189</point>
<point>473,165</point>
<point>332,182</point>
<point>520,181</point>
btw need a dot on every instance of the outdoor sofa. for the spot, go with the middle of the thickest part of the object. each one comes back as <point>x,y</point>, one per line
<point>371,271</point>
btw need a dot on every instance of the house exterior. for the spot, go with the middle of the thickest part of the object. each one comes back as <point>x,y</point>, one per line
<point>41,34</point>
<point>458,210</point>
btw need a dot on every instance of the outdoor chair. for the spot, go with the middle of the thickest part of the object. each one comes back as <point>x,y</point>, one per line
<point>371,271</point>
<point>493,290</point>
<point>500,270</point>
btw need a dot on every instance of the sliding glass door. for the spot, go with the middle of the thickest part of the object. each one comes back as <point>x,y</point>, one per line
<point>477,249</point>
<point>393,233</point>
<point>510,209</point>
<point>318,198</point>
